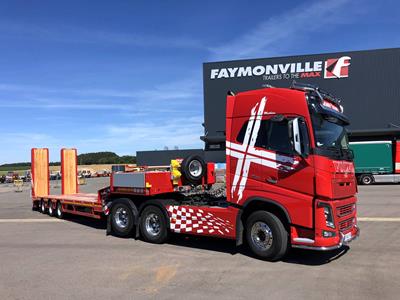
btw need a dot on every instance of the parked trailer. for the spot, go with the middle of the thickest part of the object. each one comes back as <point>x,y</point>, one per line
<point>287,181</point>
<point>70,201</point>
<point>377,161</point>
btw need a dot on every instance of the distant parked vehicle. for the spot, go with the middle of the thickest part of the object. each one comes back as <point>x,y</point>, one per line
<point>85,173</point>
<point>377,161</point>
<point>103,173</point>
<point>118,168</point>
<point>55,175</point>
<point>11,176</point>
<point>26,177</point>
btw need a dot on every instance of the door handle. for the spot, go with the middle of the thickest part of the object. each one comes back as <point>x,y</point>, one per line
<point>272,180</point>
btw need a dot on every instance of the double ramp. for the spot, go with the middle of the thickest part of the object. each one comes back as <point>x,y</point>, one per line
<point>70,199</point>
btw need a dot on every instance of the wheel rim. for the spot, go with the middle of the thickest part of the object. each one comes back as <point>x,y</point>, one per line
<point>153,224</point>
<point>121,217</point>
<point>59,212</point>
<point>261,235</point>
<point>195,168</point>
<point>43,207</point>
<point>367,180</point>
<point>50,209</point>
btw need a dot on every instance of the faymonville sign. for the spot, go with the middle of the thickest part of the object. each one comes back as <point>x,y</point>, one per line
<point>330,68</point>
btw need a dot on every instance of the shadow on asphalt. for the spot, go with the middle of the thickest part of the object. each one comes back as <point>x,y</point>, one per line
<point>94,223</point>
<point>294,256</point>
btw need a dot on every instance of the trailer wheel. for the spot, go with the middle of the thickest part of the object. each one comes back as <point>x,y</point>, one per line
<point>153,225</point>
<point>367,179</point>
<point>59,211</point>
<point>193,169</point>
<point>42,207</point>
<point>122,221</point>
<point>266,235</point>
<point>51,209</point>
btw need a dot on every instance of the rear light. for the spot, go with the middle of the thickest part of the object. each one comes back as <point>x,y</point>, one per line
<point>328,214</point>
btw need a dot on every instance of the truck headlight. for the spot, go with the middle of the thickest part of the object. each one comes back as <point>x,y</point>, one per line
<point>328,214</point>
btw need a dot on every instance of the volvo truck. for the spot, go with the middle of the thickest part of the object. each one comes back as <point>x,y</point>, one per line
<point>290,181</point>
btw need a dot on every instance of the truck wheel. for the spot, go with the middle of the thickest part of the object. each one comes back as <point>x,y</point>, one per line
<point>153,225</point>
<point>122,221</point>
<point>266,235</point>
<point>51,209</point>
<point>193,169</point>
<point>367,179</point>
<point>59,211</point>
<point>42,207</point>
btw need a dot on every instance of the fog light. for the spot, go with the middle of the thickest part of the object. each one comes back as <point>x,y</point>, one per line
<point>328,234</point>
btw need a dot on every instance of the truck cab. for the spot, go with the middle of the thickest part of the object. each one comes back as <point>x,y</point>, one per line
<point>287,152</point>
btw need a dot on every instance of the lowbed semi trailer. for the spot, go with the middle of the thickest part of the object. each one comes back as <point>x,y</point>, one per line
<point>290,181</point>
<point>377,161</point>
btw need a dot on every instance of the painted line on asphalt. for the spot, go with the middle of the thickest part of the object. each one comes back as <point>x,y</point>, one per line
<point>377,219</point>
<point>31,220</point>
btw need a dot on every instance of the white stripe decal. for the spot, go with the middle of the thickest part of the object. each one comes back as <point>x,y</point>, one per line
<point>247,154</point>
<point>253,139</point>
<point>245,143</point>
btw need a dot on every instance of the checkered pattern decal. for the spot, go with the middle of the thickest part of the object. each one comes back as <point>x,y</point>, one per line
<point>194,220</point>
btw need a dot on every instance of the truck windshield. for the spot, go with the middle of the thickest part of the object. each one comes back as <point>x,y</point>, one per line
<point>331,136</point>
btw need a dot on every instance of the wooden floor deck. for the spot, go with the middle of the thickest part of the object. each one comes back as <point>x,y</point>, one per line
<point>77,198</point>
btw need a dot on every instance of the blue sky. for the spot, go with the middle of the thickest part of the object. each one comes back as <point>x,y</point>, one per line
<point>127,75</point>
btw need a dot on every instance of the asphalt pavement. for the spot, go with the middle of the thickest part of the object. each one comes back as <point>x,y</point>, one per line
<point>47,258</point>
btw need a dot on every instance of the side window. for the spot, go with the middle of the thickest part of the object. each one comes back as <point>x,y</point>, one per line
<point>242,132</point>
<point>271,136</point>
<point>278,137</point>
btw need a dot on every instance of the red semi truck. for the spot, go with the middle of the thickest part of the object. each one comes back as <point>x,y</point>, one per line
<point>290,181</point>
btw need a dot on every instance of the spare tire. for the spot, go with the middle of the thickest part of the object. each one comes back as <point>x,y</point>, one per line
<point>193,169</point>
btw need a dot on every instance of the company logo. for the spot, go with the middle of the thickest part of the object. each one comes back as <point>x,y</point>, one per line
<point>337,67</point>
<point>331,68</point>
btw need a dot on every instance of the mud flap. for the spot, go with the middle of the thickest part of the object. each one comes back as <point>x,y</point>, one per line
<point>108,230</point>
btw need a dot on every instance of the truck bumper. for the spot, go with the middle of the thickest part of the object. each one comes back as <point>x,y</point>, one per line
<point>343,241</point>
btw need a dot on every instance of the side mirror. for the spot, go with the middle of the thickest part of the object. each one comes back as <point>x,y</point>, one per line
<point>294,125</point>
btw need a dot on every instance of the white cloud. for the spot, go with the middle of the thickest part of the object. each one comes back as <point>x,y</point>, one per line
<point>179,92</point>
<point>182,131</point>
<point>165,115</point>
<point>280,30</point>
<point>74,34</point>
<point>16,146</point>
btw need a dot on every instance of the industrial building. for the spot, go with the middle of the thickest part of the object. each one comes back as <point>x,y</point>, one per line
<point>366,81</point>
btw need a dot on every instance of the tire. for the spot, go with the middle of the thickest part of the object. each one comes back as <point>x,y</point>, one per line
<point>59,211</point>
<point>50,209</point>
<point>367,179</point>
<point>122,218</point>
<point>153,225</point>
<point>266,236</point>
<point>193,169</point>
<point>42,207</point>
<point>36,206</point>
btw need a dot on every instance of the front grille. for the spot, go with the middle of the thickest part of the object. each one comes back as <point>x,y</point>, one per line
<point>346,224</point>
<point>345,210</point>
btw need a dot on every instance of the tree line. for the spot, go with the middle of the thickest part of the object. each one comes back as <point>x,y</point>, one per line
<point>94,158</point>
